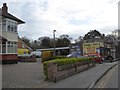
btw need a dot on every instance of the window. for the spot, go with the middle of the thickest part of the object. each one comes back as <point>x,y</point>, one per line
<point>11,26</point>
<point>9,47</point>
<point>3,47</point>
<point>12,47</point>
<point>15,28</point>
<point>8,27</point>
<point>15,46</point>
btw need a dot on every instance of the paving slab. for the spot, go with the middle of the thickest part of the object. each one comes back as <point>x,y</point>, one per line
<point>22,75</point>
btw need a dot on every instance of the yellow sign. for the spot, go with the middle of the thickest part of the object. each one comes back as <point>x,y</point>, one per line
<point>91,47</point>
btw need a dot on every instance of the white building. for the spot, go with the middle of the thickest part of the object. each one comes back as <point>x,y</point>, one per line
<point>8,35</point>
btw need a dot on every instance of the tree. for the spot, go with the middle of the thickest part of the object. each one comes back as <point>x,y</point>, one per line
<point>44,42</point>
<point>63,41</point>
<point>93,34</point>
<point>35,45</point>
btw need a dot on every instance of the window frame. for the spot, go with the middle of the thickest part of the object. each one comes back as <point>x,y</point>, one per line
<point>12,46</point>
<point>12,26</point>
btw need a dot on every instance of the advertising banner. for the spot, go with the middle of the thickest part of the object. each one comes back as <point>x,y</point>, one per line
<point>91,48</point>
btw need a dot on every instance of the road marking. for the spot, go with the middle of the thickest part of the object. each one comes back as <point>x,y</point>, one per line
<point>102,83</point>
<point>107,77</point>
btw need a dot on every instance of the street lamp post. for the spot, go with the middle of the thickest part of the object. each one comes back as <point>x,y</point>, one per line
<point>54,41</point>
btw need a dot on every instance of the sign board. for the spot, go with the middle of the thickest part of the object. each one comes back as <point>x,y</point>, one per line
<point>92,47</point>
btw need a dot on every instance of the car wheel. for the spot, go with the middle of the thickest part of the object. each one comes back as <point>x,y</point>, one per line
<point>110,59</point>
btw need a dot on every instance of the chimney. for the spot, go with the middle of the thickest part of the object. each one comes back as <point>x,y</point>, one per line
<point>4,8</point>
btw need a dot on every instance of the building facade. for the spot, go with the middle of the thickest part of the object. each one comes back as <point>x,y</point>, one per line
<point>116,33</point>
<point>9,35</point>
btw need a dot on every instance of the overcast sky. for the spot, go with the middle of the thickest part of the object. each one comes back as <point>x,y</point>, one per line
<point>72,17</point>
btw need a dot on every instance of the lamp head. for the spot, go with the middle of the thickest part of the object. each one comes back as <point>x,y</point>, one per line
<point>54,30</point>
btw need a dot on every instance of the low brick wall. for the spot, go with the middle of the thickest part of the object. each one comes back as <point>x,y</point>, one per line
<point>56,73</point>
<point>8,58</point>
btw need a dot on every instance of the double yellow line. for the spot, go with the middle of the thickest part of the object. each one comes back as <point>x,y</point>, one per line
<point>106,78</point>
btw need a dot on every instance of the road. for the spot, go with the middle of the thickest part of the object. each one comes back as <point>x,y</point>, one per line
<point>110,80</point>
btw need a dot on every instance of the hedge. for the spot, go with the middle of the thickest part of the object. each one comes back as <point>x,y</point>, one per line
<point>47,55</point>
<point>59,57</point>
<point>65,61</point>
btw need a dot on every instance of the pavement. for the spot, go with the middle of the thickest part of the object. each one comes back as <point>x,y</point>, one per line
<point>84,79</point>
<point>22,75</point>
<point>30,75</point>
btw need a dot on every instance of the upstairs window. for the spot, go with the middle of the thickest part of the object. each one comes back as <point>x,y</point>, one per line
<point>8,27</point>
<point>11,26</point>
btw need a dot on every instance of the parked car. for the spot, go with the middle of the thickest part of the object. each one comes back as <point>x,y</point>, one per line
<point>74,55</point>
<point>36,53</point>
<point>96,58</point>
<point>109,58</point>
<point>70,55</point>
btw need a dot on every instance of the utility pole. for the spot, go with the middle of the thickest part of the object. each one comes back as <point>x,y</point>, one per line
<point>54,42</point>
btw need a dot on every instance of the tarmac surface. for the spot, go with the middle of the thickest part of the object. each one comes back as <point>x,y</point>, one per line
<point>109,80</point>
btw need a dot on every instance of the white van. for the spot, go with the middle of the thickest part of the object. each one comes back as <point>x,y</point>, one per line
<point>36,53</point>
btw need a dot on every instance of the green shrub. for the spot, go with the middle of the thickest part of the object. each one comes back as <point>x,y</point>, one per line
<point>59,57</point>
<point>64,61</point>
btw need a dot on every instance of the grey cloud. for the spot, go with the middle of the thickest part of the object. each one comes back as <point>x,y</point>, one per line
<point>108,29</point>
